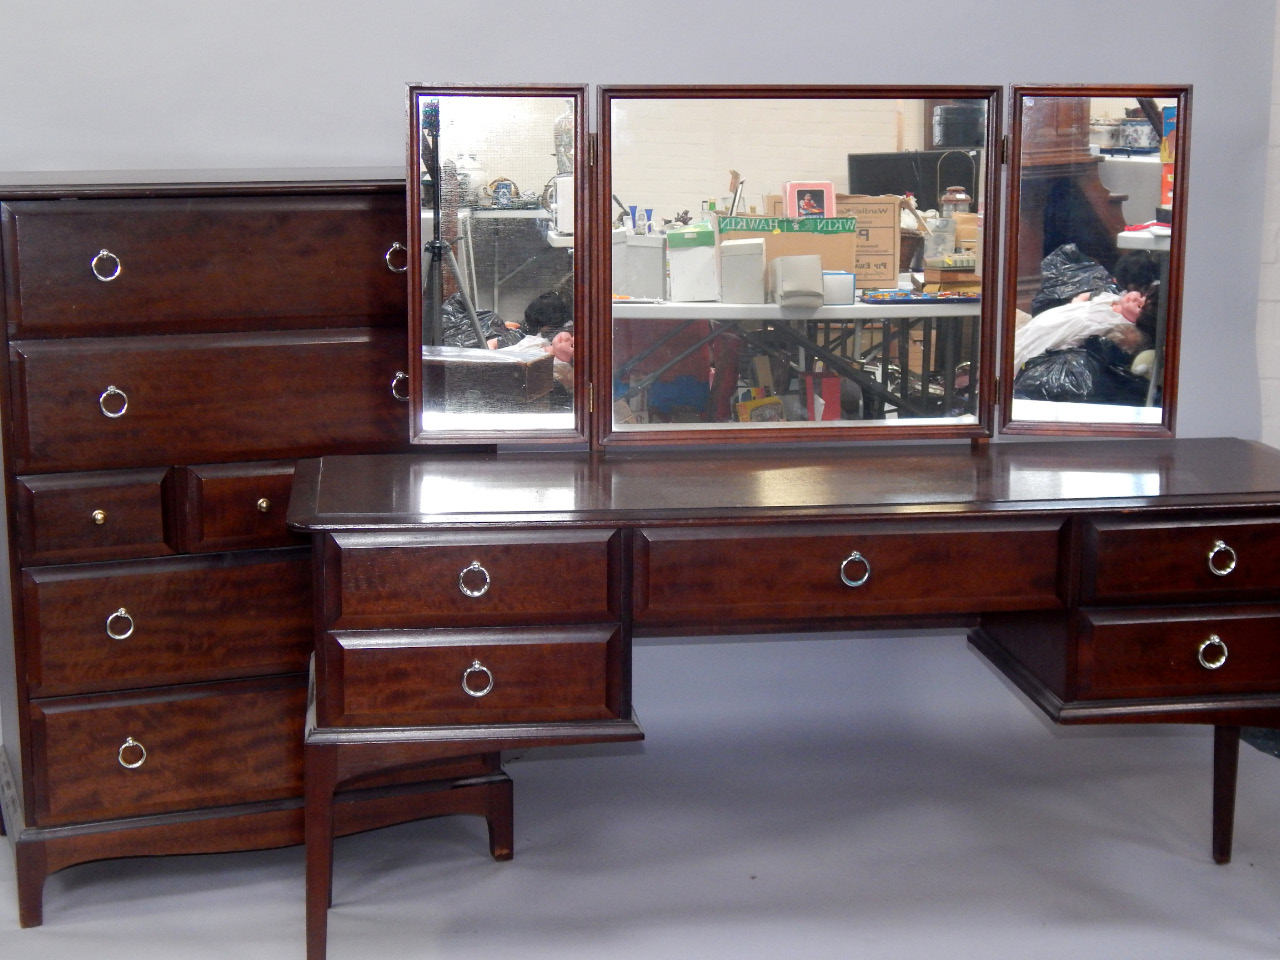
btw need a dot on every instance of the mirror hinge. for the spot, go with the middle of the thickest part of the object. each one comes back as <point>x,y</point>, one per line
<point>591,149</point>
<point>1004,149</point>
<point>591,398</point>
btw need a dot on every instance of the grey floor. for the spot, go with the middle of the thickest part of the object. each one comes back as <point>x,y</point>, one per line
<point>868,798</point>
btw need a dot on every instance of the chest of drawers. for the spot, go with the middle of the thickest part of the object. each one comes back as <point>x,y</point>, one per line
<point>171,350</point>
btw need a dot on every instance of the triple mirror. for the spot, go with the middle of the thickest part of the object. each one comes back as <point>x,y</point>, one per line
<point>793,263</point>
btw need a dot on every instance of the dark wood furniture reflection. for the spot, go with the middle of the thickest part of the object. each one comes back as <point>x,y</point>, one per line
<point>172,347</point>
<point>1113,582</point>
<point>1061,198</point>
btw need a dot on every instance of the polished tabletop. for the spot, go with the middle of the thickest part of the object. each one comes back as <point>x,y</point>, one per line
<point>440,488</point>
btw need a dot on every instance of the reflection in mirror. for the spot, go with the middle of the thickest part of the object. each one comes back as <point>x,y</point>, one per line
<point>796,260</point>
<point>492,181</point>
<point>1092,310</point>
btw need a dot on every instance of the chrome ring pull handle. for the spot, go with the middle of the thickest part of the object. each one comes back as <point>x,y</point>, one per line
<point>477,668</point>
<point>128,743</point>
<point>849,581</point>
<point>400,386</point>
<point>397,248</point>
<point>120,625</point>
<point>467,576</point>
<point>105,265</point>
<point>1212,654</point>
<point>1222,559</point>
<point>119,403</point>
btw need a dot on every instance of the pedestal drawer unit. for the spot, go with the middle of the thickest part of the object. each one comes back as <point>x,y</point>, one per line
<point>426,629</point>
<point>172,349</point>
<point>1171,617</point>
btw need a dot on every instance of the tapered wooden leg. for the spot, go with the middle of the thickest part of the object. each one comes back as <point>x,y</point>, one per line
<point>32,869</point>
<point>320,764</point>
<point>1226,761</point>
<point>499,815</point>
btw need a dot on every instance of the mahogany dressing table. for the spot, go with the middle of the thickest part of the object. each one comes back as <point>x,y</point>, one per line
<point>467,605</point>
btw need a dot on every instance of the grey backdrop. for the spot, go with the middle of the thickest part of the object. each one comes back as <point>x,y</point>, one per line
<point>253,83</point>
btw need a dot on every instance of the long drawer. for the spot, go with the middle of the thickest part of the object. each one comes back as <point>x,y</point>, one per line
<point>1181,560</point>
<point>126,266</point>
<point>107,756</point>
<point>148,401</point>
<point>92,627</point>
<point>439,579</point>
<point>794,573</point>
<point>511,675</point>
<point>1173,652</point>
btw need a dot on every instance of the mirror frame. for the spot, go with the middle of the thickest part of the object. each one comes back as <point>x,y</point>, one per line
<point>602,314</point>
<point>1018,94</point>
<point>583,322</point>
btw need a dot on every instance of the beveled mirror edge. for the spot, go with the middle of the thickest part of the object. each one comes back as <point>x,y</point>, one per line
<point>603,434</point>
<point>1173,296</point>
<point>582,245</point>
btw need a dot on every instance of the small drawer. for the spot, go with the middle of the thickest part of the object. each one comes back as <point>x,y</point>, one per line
<point>437,579</point>
<point>760,575</point>
<point>148,401</point>
<point>516,675</point>
<point>1190,560</point>
<point>92,516</point>
<point>160,265</point>
<point>107,757</point>
<point>236,506</point>
<point>1200,651</point>
<point>149,623</point>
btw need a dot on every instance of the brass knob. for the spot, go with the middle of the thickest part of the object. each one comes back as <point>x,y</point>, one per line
<point>264,505</point>
<point>99,517</point>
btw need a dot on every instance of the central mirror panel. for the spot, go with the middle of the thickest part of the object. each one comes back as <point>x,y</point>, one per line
<point>495,243</point>
<point>793,263</point>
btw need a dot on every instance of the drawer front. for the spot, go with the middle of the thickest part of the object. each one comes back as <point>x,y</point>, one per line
<point>204,746</point>
<point>421,580</point>
<point>388,678</point>
<point>237,506</point>
<point>188,399</point>
<point>92,516</point>
<point>202,263</point>
<point>159,622</point>
<point>1127,561</point>
<point>1200,651</point>
<point>828,571</point>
